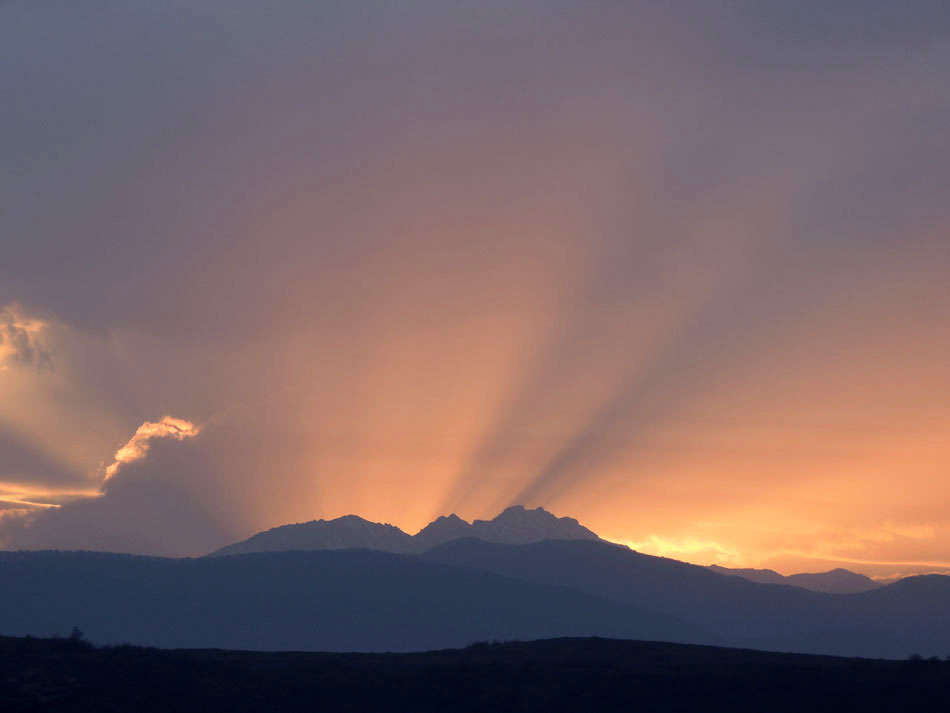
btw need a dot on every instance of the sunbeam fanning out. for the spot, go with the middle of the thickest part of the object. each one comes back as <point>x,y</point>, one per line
<point>678,270</point>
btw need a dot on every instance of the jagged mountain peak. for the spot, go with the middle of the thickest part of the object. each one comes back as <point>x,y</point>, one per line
<point>518,513</point>
<point>443,529</point>
<point>445,519</point>
<point>514,525</point>
<point>346,532</point>
<point>519,525</point>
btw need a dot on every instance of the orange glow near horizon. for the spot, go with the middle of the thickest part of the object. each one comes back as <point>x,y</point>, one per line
<point>680,276</point>
<point>721,461</point>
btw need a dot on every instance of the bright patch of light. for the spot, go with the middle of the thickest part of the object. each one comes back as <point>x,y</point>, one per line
<point>169,427</point>
<point>686,549</point>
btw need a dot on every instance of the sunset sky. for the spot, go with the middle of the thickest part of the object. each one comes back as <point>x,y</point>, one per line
<point>680,270</point>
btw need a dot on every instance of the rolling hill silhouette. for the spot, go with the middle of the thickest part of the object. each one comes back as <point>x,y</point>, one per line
<point>554,676</point>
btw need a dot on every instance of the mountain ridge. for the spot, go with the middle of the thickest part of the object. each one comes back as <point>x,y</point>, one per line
<point>461,591</point>
<point>514,525</point>
<point>892,621</point>
<point>835,581</point>
<point>317,600</point>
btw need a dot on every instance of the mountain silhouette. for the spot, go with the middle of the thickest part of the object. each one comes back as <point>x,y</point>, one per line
<point>890,622</point>
<point>518,526</point>
<point>326,600</point>
<point>836,581</point>
<point>515,525</point>
<point>332,585</point>
<point>342,533</point>
<point>443,529</point>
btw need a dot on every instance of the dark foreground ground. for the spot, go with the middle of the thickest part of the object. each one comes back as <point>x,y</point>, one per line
<point>575,675</point>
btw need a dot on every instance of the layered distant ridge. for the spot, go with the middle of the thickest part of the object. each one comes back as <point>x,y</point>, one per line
<point>836,581</point>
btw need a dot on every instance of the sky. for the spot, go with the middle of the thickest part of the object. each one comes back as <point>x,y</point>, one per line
<point>678,270</point>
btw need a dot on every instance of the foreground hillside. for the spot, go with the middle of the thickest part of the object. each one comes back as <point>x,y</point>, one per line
<point>554,675</point>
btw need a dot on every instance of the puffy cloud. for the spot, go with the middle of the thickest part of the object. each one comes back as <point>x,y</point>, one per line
<point>168,427</point>
<point>175,490</point>
<point>34,479</point>
<point>141,505</point>
<point>116,515</point>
